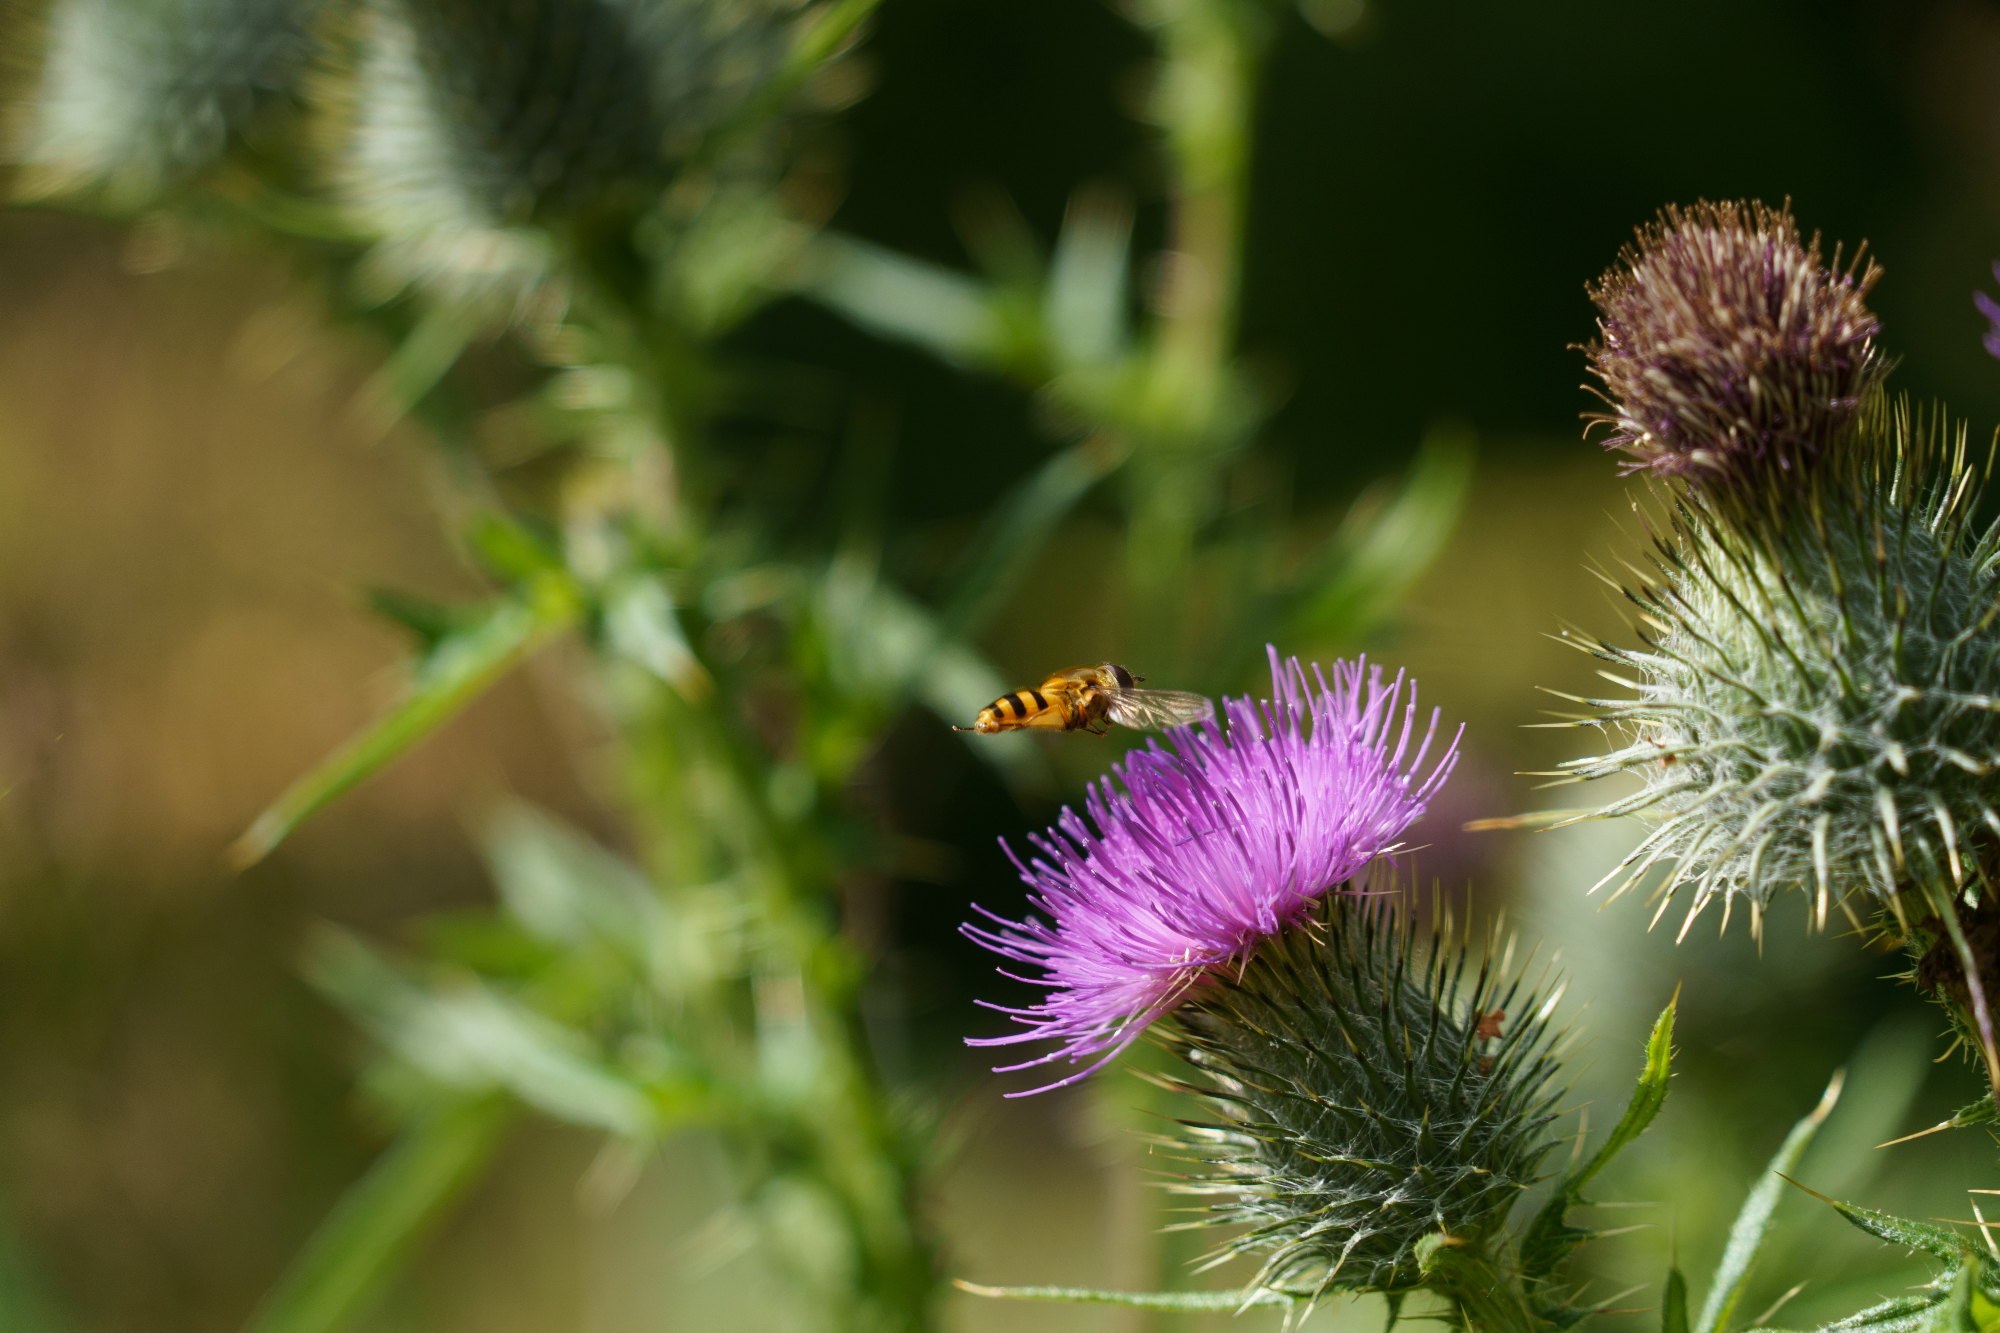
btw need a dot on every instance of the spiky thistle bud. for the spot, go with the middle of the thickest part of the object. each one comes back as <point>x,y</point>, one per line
<point>1368,1097</point>
<point>1728,351</point>
<point>1818,670</point>
<point>467,120</point>
<point>135,95</point>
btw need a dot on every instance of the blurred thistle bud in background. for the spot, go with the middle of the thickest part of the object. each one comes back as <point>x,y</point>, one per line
<point>1727,349</point>
<point>1193,856</point>
<point>137,95</point>
<point>462,122</point>
<point>1818,667</point>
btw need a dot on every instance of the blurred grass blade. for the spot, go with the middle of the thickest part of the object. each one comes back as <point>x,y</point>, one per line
<point>1674,1304</point>
<point>1550,1238</point>
<point>1746,1236</point>
<point>905,299</point>
<point>454,673</point>
<point>1021,526</point>
<point>1085,305</point>
<point>1386,543</point>
<point>1227,1301</point>
<point>422,359</point>
<point>364,1243</point>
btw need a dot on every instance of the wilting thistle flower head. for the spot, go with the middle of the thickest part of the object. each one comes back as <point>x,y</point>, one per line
<point>1367,1094</point>
<point>1192,853</point>
<point>1728,350</point>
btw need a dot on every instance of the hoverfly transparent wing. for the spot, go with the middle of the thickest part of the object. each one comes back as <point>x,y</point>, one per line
<point>1154,710</point>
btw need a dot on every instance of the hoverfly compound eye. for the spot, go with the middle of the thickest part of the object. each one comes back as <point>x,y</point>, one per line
<point>1123,676</point>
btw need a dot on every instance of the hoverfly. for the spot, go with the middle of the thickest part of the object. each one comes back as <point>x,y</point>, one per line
<point>1085,698</point>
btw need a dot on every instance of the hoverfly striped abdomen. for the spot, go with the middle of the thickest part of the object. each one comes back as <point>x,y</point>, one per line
<point>1085,699</point>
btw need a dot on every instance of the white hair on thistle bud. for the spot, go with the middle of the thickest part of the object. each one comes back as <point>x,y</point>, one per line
<point>1819,691</point>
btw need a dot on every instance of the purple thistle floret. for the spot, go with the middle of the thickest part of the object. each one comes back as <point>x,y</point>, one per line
<point>1196,851</point>
<point>1729,351</point>
<point>1991,309</point>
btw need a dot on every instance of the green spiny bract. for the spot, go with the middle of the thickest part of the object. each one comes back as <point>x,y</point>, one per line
<point>1820,688</point>
<point>1366,1097</point>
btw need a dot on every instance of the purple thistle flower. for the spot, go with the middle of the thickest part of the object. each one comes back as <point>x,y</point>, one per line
<point>1193,854</point>
<point>1728,350</point>
<point>1991,309</point>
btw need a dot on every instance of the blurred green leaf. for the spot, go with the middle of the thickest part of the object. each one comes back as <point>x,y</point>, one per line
<point>457,670</point>
<point>566,888</point>
<point>423,358</point>
<point>888,648</point>
<point>1386,542</point>
<point>370,1234</point>
<point>1229,1301</point>
<point>1085,305</point>
<point>1019,527</point>
<point>429,622</point>
<point>908,300</point>
<point>641,626</point>
<point>470,1038</point>
<point>1550,1238</point>
<point>27,1302</point>
<point>1674,1303</point>
<point>510,551</point>
<point>1746,1235</point>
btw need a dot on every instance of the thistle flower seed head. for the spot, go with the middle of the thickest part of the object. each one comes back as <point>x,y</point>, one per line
<point>1728,351</point>
<point>1366,1094</point>
<point>1819,697</point>
<point>1195,852</point>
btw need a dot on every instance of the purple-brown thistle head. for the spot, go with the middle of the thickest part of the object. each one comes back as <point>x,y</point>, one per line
<point>1195,852</point>
<point>1728,350</point>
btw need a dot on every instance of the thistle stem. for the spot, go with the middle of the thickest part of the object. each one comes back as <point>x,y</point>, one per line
<point>1483,1299</point>
<point>1182,427</point>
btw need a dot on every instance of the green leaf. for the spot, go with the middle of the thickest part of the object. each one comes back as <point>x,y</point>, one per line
<point>1020,526</point>
<point>1141,1300</point>
<point>1550,1238</point>
<point>1674,1305</point>
<point>512,552</point>
<point>1386,543</point>
<point>430,623</point>
<point>563,887</point>
<point>908,300</point>
<point>1980,1112</point>
<point>1934,1241</point>
<point>1746,1236</point>
<point>365,1241</point>
<point>454,673</point>
<point>473,1039</point>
